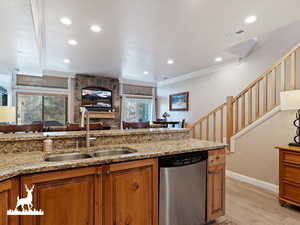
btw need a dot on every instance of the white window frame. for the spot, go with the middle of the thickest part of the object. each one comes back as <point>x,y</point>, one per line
<point>124,97</point>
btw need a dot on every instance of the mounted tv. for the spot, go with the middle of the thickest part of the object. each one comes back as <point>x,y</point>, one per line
<point>96,99</point>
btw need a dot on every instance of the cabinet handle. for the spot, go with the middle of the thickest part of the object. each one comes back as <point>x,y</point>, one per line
<point>218,157</point>
<point>107,172</point>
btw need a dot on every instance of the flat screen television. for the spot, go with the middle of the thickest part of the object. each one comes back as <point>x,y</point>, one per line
<point>96,99</point>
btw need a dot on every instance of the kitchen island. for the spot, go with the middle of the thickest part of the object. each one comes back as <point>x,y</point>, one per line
<point>106,190</point>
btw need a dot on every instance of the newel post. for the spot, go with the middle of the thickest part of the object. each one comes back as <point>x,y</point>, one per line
<point>229,122</point>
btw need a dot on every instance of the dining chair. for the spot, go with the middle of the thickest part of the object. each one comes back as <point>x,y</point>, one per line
<point>135,125</point>
<point>183,123</point>
<point>37,127</point>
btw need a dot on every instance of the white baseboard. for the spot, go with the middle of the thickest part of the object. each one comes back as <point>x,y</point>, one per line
<point>250,180</point>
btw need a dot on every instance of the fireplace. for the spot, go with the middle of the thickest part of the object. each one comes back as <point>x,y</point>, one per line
<point>99,94</point>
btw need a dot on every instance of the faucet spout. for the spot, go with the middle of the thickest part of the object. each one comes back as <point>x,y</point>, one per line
<point>83,111</point>
<point>85,115</point>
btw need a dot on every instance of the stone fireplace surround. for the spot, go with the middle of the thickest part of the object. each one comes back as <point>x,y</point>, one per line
<point>83,81</point>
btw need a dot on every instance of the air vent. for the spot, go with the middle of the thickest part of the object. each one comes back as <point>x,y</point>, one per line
<point>239,31</point>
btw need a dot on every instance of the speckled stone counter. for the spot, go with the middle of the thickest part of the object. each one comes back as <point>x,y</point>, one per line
<point>62,140</point>
<point>20,163</point>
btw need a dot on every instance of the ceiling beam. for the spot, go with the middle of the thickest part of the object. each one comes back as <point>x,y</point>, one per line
<point>38,19</point>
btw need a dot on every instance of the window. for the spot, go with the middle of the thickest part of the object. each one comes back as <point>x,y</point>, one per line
<point>3,96</point>
<point>52,110</point>
<point>137,109</point>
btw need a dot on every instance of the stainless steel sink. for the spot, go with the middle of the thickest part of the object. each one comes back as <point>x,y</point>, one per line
<point>66,156</point>
<point>112,152</point>
<point>98,153</point>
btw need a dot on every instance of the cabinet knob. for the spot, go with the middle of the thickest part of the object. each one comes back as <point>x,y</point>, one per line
<point>107,172</point>
<point>136,186</point>
<point>98,174</point>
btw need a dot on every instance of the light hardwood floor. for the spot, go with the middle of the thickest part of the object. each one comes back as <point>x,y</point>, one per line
<point>249,205</point>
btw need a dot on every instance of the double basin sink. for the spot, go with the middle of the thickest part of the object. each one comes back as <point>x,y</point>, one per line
<point>98,153</point>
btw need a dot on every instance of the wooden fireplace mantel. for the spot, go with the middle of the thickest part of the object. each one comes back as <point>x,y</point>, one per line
<point>102,115</point>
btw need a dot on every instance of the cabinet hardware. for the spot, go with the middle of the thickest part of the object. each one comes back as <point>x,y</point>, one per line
<point>136,186</point>
<point>98,174</point>
<point>107,172</point>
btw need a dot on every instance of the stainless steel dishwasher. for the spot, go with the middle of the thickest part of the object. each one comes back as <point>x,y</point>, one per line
<point>182,197</point>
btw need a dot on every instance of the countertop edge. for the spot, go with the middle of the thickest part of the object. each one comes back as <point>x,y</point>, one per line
<point>101,133</point>
<point>97,162</point>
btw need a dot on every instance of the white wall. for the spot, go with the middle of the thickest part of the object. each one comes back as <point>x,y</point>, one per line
<point>210,90</point>
<point>6,82</point>
<point>255,154</point>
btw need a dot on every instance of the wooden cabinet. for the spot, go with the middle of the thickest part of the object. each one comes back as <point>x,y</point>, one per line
<point>116,194</point>
<point>9,191</point>
<point>289,175</point>
<point>68,197</point>
<point>216,184</point>
<point>131,191</point>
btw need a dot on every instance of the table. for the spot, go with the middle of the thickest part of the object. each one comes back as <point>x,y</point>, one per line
<point>167,123</point>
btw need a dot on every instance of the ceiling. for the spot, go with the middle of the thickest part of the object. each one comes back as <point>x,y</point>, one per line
<point>17,44</point>
<point>136,36</point>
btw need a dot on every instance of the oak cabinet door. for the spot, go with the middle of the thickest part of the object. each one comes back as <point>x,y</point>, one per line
<point>9,191</point>
<point>131,191</point>
<point>69,197</point>
<point>216,185</point>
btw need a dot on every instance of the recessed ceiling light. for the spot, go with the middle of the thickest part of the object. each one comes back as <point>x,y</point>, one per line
<point>170,61</point>
<point>146,72</point>
<point>67,61</point>
<point>66,21</point>
<point>250,19</point>
<point>219,59</point>
<point>95,28</point>
<point>72,42</point>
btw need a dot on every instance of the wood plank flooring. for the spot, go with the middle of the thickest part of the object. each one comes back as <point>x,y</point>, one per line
<point>250,205</point>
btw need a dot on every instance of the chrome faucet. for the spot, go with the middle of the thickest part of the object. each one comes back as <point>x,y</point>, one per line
<point>85,115</point>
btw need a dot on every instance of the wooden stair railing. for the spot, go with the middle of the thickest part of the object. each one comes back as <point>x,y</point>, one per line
<point>257,99</point>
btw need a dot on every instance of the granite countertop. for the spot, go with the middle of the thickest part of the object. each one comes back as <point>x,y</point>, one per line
<point>98,133</point>
<point>14,164</point>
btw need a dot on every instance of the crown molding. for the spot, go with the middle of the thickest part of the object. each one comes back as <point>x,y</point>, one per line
<point>138,83</point>
<point>58,73</point>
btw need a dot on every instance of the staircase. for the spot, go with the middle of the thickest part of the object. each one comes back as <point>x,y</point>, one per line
<point>251,104</point>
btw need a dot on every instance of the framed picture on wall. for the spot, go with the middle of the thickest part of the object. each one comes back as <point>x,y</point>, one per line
<point>179,102</point>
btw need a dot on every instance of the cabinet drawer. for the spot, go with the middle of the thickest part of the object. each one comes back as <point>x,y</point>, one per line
<point>291,173</point>
<point>291,157</point>
<point>216,157</point>
<point>290,192</point>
